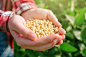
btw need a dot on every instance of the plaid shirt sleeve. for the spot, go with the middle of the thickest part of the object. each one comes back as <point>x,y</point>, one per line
<point>22,5</point>
<point>4,17</point>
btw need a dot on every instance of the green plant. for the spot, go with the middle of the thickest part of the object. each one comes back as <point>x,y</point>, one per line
<point>71,14</point>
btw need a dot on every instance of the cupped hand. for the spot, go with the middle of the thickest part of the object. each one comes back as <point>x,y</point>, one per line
<point>27,39</point>
<point>18,24</point>
<point>44,14</point>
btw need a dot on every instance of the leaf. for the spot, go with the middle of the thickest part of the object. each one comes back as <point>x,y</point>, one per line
<point>84,52</point>
<point>80,18</point>
<point>70,18</point>
<point>46,7</point>
<point>68,28</point>
<point>22,50</point>
<point>30,53</point>
<point>68,48</point>
<point>77,34</point>
<point>81,47</point>
<point>85,16</point>
<point>69,3</point>
<point>70,35</point>
<point>83,35</point>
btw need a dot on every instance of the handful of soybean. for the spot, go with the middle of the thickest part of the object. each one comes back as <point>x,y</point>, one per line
<point>42,27</point>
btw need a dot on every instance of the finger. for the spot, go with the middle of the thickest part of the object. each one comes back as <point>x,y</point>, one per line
<point>44,47</point>
<point>21,41</point>
<point>53,18</point>
<point>26,32</point>
<point>40,41</point>
<point>14,34</point>
<point>62,31</point>
<point>63,37</point>
<point>16,37</point>
<point>60,42</point>
<point>48,39</point>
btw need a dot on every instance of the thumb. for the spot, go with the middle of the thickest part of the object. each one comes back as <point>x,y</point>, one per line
<point>53,18</point>
<point>26,32</point>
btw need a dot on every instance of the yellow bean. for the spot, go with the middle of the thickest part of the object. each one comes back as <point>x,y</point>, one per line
<point>42,27</point>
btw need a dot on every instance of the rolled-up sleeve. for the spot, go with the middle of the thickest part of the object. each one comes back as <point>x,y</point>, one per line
<point>4,17</point>
<point>22,5</point>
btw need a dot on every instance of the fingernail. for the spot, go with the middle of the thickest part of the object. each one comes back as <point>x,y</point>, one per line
<point>62,31</point>
<point>59,36</point>
<point>59,39</point>
<point>60,42</point>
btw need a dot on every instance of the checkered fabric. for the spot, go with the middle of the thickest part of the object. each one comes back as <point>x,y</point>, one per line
<point>22,7</point>
<point>19,6</point>
<point>4,16</point>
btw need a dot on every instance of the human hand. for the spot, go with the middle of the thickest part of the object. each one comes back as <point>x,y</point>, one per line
<point>24,37</point>
<point>44,14</point>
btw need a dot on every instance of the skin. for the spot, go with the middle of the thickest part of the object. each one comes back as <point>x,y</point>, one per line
<point>26,38</point>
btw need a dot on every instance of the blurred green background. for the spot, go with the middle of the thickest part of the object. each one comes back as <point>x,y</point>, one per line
<point>71,14</point>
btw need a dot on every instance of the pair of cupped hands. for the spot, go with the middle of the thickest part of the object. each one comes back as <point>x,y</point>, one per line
<point>26,38</point>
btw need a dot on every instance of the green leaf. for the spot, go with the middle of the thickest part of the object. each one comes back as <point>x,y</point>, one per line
<point>30,53</point>
<point>77,34</point>
<point>22,50</point>
<point>69,4</point>
<point>68,48</point>
<point>46,7</point>
<point>70,18</point>
<point>80,18</point>
<point>69,28</point>
<point>85,51</point>
<point>83,35</point>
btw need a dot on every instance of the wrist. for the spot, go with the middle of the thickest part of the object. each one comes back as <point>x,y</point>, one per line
<point>26,11</point>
